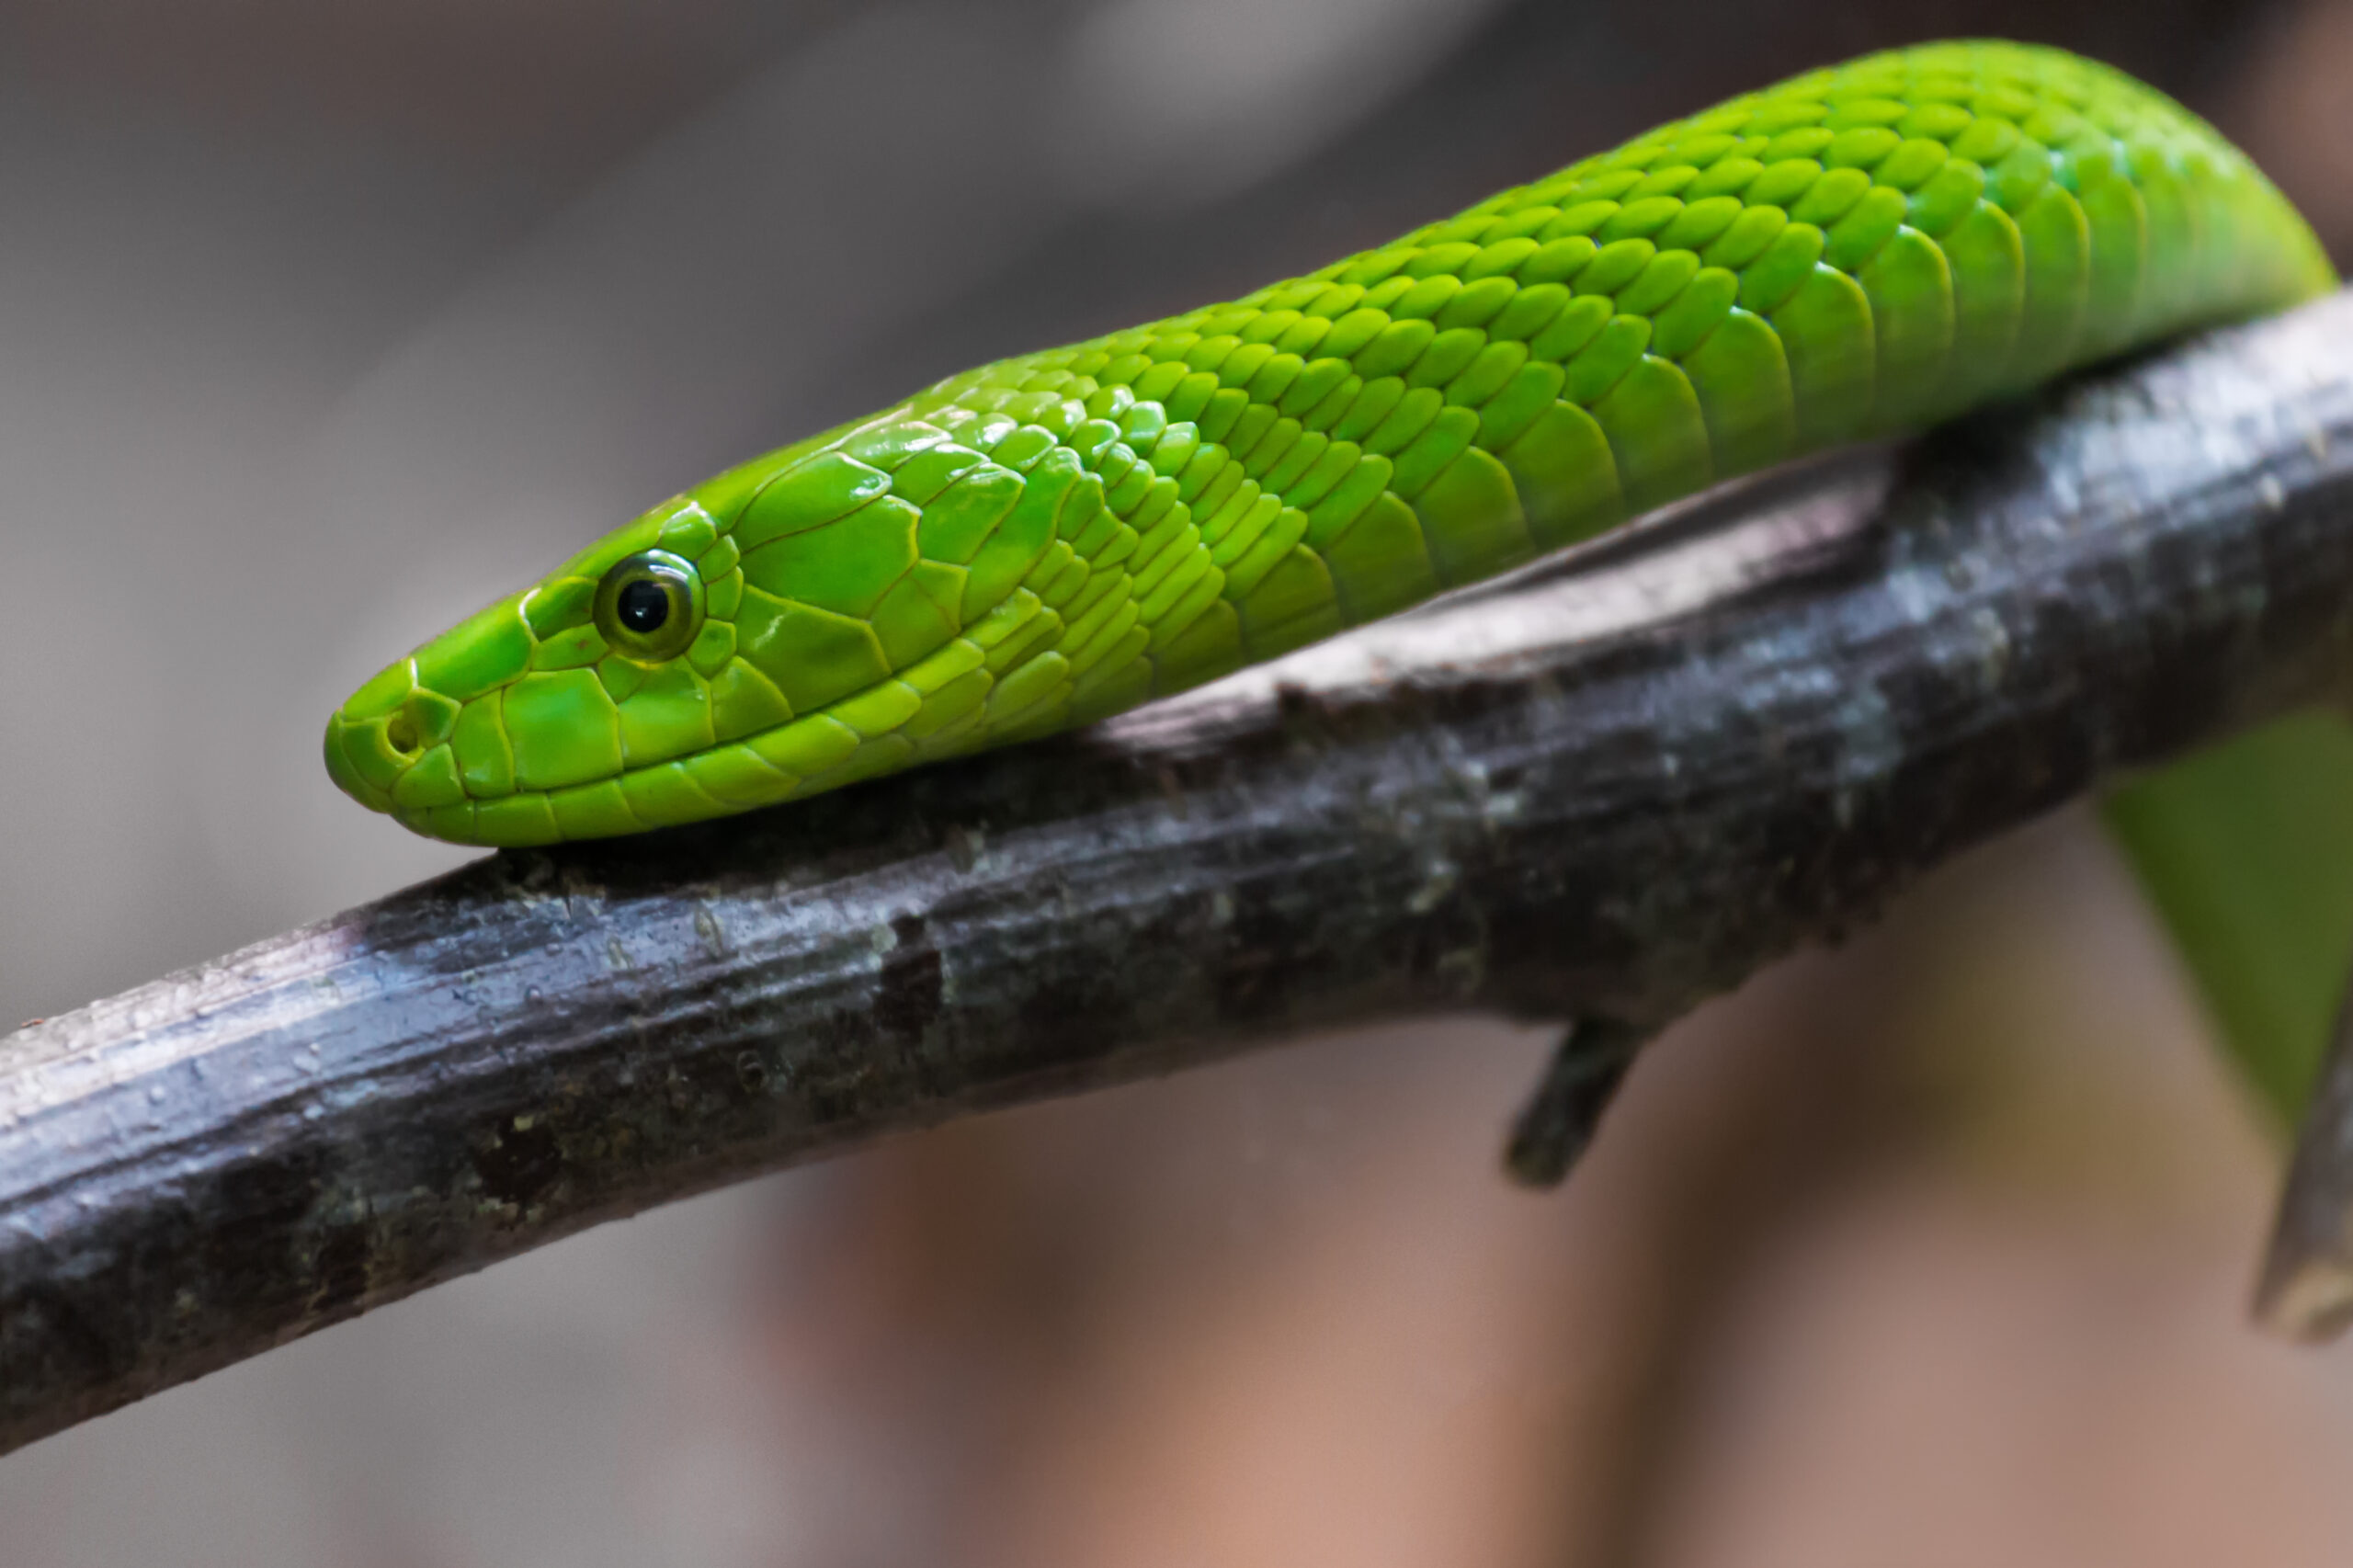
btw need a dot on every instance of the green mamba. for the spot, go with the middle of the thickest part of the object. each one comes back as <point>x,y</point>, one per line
<point>1050,539</point>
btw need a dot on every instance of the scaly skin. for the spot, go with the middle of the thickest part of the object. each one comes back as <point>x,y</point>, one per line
<point>1050,539</point>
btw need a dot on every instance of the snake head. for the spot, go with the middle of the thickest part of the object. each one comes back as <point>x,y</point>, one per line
<point>604,665</point>
<point>784,627</point>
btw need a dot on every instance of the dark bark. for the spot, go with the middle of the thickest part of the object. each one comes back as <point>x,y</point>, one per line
<point>1608,789</point>
<point>1558,1123</point>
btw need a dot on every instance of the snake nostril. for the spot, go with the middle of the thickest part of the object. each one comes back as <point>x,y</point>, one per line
<point>401,734</point>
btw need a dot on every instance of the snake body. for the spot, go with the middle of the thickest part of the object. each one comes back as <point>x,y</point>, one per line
<point>1050,539</point>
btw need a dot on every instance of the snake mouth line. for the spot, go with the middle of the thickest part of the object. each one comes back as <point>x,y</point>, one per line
<point>412,768</point>
<point>390,763</point>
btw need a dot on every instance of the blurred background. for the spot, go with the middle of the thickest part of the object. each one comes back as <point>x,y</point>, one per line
<point>320,324</point>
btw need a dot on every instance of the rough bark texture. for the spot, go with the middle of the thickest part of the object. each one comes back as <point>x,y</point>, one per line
<point>1608,788</point>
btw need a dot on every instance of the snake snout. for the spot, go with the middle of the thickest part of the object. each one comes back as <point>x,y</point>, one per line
<point>426,739</point>
<point>402,748</point>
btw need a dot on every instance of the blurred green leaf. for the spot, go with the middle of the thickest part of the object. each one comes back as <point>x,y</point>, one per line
<point>2246,849</point>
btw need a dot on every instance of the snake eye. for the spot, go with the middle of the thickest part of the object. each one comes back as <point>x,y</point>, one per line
<point>643,606</point>
<point>649,607</point>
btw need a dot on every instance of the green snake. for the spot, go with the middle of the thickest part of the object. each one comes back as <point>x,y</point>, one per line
<point>1048,540</point>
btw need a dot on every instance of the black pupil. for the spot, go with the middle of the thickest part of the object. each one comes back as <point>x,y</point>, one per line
<point>644,606</point>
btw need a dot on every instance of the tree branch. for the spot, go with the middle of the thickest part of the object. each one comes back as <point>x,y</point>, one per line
<point>1608,789</point>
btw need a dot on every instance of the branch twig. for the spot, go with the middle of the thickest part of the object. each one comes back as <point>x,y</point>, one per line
<point>1605,790</point>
